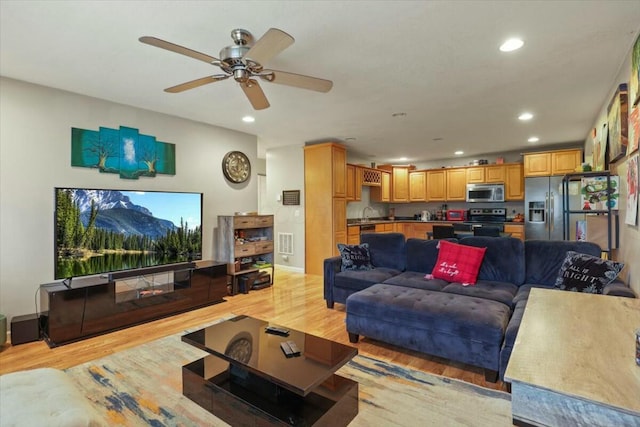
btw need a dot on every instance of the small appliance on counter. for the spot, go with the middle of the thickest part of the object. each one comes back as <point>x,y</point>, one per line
<point>456,215</point>
<point>425,216</point>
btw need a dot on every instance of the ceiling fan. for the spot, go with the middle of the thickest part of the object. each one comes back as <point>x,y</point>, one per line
<point>244,62</point>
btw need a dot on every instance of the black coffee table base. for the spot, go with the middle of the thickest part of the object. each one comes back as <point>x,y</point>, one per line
<point>241,398</point>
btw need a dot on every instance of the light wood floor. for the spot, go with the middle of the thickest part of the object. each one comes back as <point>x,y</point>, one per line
<point>295,300</point>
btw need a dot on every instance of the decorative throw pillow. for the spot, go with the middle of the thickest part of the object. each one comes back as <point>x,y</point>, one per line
<point>355,257</point>
<point>586,273</point>
<point>458,263</point>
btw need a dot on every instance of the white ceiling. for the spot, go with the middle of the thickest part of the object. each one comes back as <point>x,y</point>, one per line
<point>436,61</point>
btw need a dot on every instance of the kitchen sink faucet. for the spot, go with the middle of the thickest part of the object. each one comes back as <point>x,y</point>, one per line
<point>364,211</point>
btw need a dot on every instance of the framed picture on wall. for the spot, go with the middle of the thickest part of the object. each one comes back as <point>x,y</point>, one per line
<point>617,115</point>
<point>634,129</point>
<point>634,79</point>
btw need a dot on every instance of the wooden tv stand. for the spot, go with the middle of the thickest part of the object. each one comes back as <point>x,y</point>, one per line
<point>98,304</point>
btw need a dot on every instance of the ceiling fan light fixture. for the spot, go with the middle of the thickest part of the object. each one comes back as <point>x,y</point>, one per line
<point>511,44</point>
<point>243,61</point>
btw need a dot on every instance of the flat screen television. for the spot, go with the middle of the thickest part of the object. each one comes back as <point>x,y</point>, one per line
<point>100,231</point>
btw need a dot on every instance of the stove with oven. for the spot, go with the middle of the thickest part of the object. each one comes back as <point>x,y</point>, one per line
<point>478,217</point>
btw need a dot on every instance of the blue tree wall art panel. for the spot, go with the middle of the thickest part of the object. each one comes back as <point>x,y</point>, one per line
<point>124,151</point>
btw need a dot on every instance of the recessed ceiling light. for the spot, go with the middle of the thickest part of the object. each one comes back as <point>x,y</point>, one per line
<point>511,45</point>
<point>459,153</point>
<point>437,139</point>
<point>349,139</point>
<point>403,159</point>
<point>398,114</point>
<point>533,139</point>
<point>525,116</point>
<point>248,119</point>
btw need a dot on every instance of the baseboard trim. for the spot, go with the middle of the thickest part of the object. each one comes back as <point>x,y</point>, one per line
<point>289,268</point>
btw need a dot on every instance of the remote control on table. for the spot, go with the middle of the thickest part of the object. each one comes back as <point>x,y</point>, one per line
<point>277,331</point>
<point>294,348</point>
<point>286,349</point>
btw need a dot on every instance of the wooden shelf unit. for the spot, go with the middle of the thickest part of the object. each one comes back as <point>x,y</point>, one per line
<point>244,240</point>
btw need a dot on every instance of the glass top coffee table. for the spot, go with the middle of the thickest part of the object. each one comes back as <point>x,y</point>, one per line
<point>248,379</point>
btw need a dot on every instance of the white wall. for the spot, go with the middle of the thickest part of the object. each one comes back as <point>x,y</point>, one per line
<point>35,157</point>
<point>285,171</point>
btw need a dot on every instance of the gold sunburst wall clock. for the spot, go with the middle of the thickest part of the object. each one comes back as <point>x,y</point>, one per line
<point>236,167</point>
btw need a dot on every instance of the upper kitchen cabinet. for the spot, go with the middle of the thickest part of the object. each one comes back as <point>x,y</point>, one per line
<point>475,175</point>
<point>354,183</point>
<point>325,183</point>
<point>436,185</point>
<point>513,182</point>
<point>495,174</point>
<point>382,192</point>
<point>418,186</point>
<point>548,163</point>
<point>456,184</point>
<point>399,182</point>
<point>565,161</point>
<point>339,170</point>
<point>485,174</point>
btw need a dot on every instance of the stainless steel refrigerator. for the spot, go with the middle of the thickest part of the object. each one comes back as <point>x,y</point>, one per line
<point>544,209</point>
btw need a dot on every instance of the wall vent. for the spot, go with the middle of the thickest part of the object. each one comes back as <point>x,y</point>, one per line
<point>285,243</point>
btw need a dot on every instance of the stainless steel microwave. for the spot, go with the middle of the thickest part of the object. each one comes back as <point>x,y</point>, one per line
<point>485,193</point>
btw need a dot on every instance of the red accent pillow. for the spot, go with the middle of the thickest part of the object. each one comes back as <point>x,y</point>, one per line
<point>458,263</point>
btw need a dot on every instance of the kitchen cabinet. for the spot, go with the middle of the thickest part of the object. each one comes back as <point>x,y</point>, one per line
<point>486,174</point>
<point>385,227</point>
<point>371,177</point>
<point>339,171</point>
<point>494,174</point>
<point>325,176</point>
<point>418,230</point>
<point>514,182</point>
<point>382,193</point>
<point>354,183</point>
<point>516,230</point>
<point>475,175</point>
<point>418,186</point>
<point>353,235</point>
<point>456,184</point>
<point>566,161</point>
<point>436,185</point>
<point>549,163</point>
<point>399,182</point>
<point>339,223</point>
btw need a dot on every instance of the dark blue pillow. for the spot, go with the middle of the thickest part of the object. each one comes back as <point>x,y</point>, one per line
<point>355,257</point>
<point>586,273</point>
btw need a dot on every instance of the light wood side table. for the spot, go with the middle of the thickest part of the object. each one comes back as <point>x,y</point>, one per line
<point>573,362</point>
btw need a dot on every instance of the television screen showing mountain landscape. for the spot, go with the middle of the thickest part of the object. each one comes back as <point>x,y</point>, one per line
<point>99,231</point>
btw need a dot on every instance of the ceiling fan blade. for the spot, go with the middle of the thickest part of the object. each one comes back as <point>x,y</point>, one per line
<point>298,80</point>
<point>255,94</point>
<point>178,49</point>
<point>269,45</point>
<point>195,83</point>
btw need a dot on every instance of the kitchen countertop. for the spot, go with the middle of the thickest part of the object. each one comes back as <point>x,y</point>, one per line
<point>374,221</point>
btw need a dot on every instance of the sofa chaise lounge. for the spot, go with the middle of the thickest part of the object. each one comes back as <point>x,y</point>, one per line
<point>393,301</point>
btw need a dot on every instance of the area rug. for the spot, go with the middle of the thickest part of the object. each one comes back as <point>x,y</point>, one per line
<point>143,386</point>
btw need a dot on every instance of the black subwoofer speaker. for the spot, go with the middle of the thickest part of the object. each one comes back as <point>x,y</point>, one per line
<point>25,329</point>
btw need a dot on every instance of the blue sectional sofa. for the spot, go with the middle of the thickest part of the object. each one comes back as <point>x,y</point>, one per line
<point>394,302</point>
